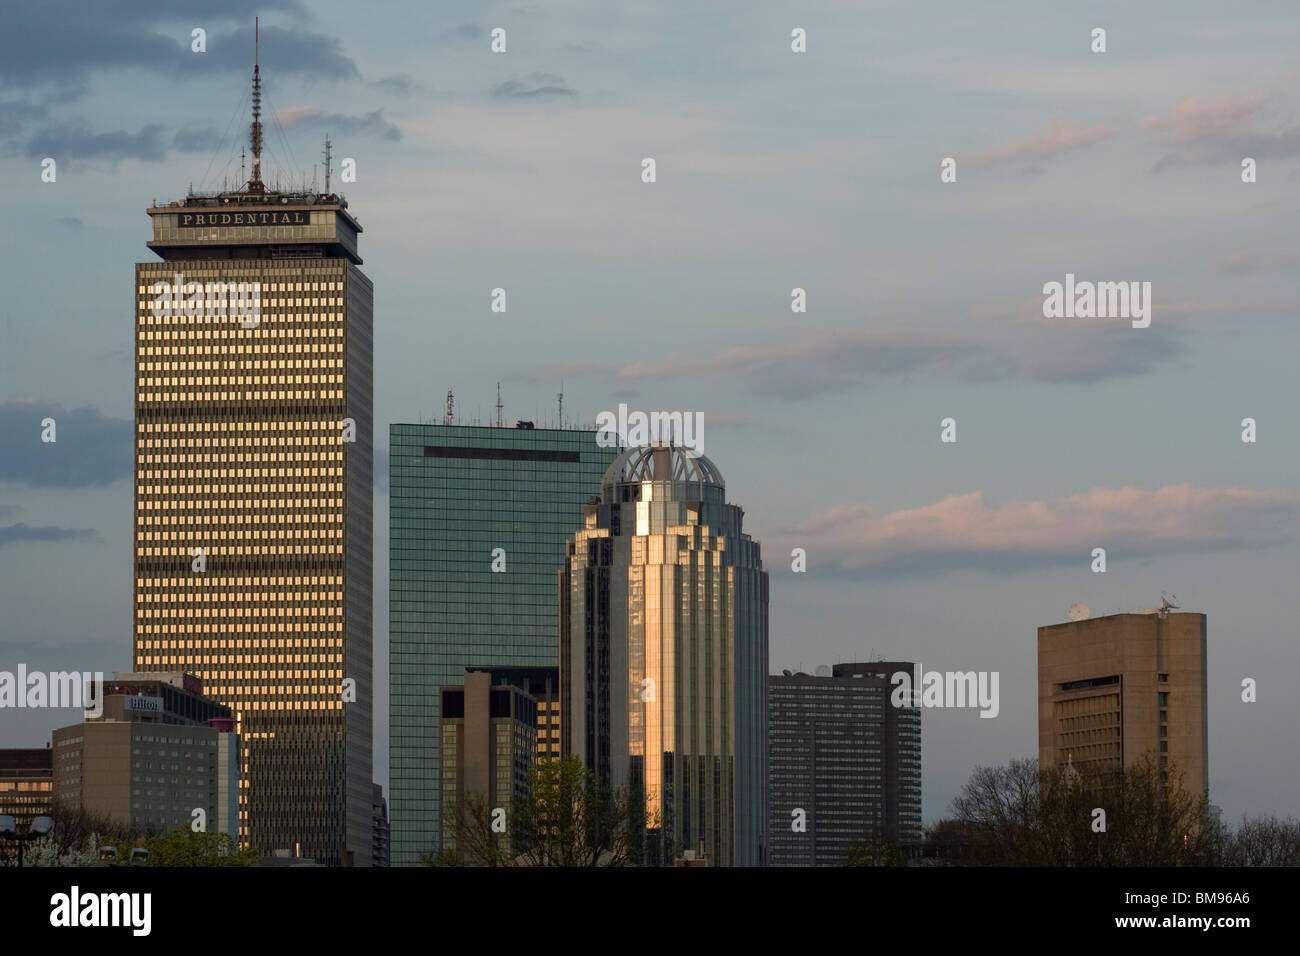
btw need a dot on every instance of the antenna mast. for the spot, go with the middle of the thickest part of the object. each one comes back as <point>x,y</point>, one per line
<point>255,184</point>
<point>328,144</point>
<point>500,420</point>
<point>560,396</point>
<point>451,408</point>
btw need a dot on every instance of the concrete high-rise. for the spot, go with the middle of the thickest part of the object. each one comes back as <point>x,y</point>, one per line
<point>1111,689</point>
<point>845,764</point>
<point>478,521</point>
<point>253,474</point>
<point>663,655</point>
<point>488,735</point>
<point>160,751</point>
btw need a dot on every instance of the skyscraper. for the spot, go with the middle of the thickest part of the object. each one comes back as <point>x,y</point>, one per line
<point>253,494</point>
<point>1111,689</point>
<point>663,655</point>
<point>845,764</point>
<point>478,521</point>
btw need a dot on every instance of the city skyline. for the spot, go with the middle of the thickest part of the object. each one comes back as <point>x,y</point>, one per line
<point>476,173</point>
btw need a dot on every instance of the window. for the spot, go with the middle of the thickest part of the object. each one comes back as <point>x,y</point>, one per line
<point>1164,698</point>
<point>1164,678</point>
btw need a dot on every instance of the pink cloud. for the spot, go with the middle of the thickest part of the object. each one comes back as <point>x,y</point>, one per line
<point>967,531</point>
<point>1060,137</point>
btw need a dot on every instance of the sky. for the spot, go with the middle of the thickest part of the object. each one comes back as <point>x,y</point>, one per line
<point>774,170</point>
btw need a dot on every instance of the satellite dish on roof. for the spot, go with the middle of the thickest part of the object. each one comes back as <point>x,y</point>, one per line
<point>1079,611</point>
<point>823,670</point>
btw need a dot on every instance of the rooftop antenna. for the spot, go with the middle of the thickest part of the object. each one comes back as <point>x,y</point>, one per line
<point>560,396</point>
<point>243,154</point>
<point>451,408</point>
<point>255,184</point>
<point>328,144</point>
<point>500,420</point>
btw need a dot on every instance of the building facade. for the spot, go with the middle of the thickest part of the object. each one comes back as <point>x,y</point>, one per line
<point>478,521</point>
<point>663,655</point>
<point>160,751</point>
<point>488,735</point>
<point>379,855</point>
<point>253,484</point>
<point>845,766</point>
<point>543,685</point>
<point>26,784</point>
<point>1113,689</point>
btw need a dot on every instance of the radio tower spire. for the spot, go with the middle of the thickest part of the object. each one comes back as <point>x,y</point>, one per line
<point>255,132</point>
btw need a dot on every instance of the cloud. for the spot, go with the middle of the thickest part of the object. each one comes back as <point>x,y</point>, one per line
<point>402,83</point>
<point>69,222</point>
<point>1061,136</point>
<point>967,532</point>
<point>1241,263</point>
<point>15,116</point>
<point>196,140</point>
<point>90,451</point>
<point>60,43</point>
<point>1214,130</point>
<point>372,123</point>
<point>76,141</point>
<point>532,86</point>
<point>823,362</point>
<point>10,534</point>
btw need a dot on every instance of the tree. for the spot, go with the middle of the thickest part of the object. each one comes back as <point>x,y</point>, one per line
<point>879,846</point>
<point>184,847</point>
<point>567,816</point>
<point>1263,841</point>
<point>1021,815</point>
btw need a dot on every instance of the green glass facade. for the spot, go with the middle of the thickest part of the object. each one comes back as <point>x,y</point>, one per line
<point>457,494</point>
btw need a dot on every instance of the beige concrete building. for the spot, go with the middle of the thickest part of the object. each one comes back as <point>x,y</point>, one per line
<point>159,751</point>
<point>488,735</point>
<point>1113,688</point>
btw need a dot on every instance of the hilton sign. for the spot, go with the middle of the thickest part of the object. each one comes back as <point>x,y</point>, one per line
<point>189,220</point>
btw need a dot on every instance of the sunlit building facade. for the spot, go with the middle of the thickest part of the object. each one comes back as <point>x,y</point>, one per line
<point>663,656</point>
<point>253,465</point>
<point>1114,689</point>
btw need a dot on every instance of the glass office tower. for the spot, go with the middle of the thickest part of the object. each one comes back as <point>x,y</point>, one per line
<point>463,501</point>
<point>663,656</point>
<point>253,466</point>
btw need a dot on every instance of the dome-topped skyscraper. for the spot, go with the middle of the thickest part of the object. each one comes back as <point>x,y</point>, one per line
<point>663,654</point>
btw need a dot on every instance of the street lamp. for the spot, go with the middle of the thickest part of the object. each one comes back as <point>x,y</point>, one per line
<point>39,827</point>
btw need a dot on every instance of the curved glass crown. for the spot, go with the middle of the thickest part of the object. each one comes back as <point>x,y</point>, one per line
<point>661,463</point>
